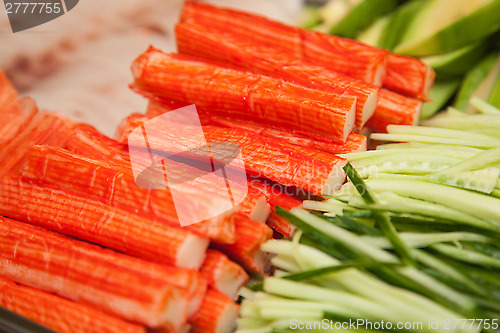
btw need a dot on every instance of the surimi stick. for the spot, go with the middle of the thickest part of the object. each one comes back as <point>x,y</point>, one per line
<point>246,251</point>
<point>40,128</point>
<point>335,53</point>
<point>223,274</point>
<point>89,142</point>
<point>394,109</point>
<point>354,143</point>
<point>409,76</point>
<point>130,288</point>
<point>87,219</point>
<point>58,313</point>
<point>225,47</point>
<point>255,206</point>
<point>217,314</point>
<point>257,97</point>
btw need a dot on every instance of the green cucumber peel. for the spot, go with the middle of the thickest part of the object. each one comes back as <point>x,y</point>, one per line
<point>455,64</point>
<point>402,205</point>
<point>397,24</point>
<point>382,219</point>
<point>462,29</point>
<point>440,93</point>
<point>362,16</point>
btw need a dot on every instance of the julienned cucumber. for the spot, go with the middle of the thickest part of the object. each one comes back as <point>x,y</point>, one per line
<point>440,27</point>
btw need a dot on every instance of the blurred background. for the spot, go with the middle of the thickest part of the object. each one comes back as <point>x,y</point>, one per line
<point>79,64</point>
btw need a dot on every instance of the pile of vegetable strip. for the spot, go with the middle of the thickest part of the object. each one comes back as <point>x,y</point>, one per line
<point>411,240</point>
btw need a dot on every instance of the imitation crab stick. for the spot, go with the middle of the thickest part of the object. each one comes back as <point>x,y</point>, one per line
<point>94,221</point>
<point>217,314</point>
<point>88,141</point>
<point>227,48</point>
<point>244,94</point>
<point>60,314</point>
<point>405,75</point>
<point>306,168</point>
<point>269,61</point>
<point>130,288</point>
<point>116,187</point>
<point>409,76</point>
<point>276,197</point>
<point>246,251</point>
<point>394,109</point>
<point>40,128</point>
<point>354,143</point>
<point>255,206</point>
<point>342,55</point>
<point>8,93</point>
<point>223,274</point>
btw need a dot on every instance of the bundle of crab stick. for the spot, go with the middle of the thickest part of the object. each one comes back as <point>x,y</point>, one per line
<point>86,248</point>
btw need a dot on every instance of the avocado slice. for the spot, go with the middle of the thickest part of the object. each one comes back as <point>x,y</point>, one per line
<point>441,26</point>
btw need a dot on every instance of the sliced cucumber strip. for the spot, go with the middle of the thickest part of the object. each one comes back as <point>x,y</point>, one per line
<point>479,205</point>
<point>440,93</point>
<point>456,63</point>
<point>441,27</point>
<point>478,82</point>
<point>362,16</point>
<point>484,107</point>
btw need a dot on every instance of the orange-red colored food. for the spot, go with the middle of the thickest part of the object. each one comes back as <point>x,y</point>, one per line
<point>76,215</point>
<point>130,288</point>
<point>115,186</point>
<point>242,94</point>
<point>218,313</point>
<point>276,197</point>
<point>409,76</point>
<point>246,251</point>
<point>227,47</point>
<point>223,274</point>
<point>394,109</point>
<point>342,55</point>
<point>58,313</point>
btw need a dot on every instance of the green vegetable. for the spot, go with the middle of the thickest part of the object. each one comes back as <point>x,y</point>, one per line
<point>478,82</point>
<point>456,63</point>
<point>441,92</point>
<point>441,27</point>
<point>361,16</point>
